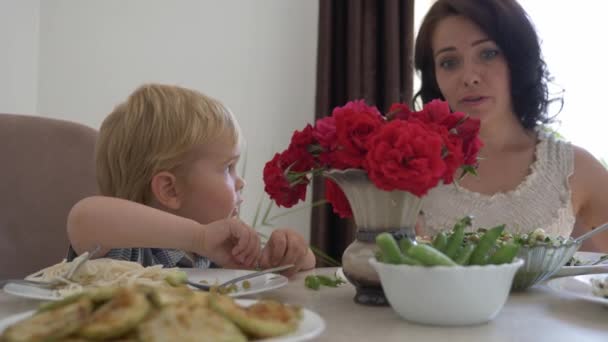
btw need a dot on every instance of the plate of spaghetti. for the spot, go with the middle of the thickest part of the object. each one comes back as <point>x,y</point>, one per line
<point>96,273</point>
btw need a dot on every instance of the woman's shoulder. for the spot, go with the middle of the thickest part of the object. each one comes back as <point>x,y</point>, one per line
<point>586,166</point>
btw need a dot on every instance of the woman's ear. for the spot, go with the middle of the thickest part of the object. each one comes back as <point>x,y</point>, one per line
<point>165,190</point>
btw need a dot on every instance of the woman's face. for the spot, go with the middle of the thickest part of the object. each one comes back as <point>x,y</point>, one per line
<point>471,71</point>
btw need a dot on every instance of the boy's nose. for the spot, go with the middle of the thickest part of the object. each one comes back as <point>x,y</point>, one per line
<point>240,184</point>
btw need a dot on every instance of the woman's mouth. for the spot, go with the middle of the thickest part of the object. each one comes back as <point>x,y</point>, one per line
<point>473,100</point>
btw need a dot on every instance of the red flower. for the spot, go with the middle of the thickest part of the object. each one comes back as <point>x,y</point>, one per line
<point>325,133</point>
<point>405,156</point>
<point>355,122</point>
<point>408,150</point>
<point>401,111</point>
<point>468,132</point>
<point>453,156</point>
<point>438,112</point>
<point>302,139</point>
<point>285,188</point>
<point>335,196</point>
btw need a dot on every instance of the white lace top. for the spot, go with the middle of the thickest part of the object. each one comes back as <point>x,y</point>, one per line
<point>542,200</point>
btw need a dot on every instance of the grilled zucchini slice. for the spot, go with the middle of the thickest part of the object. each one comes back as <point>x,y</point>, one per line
<point>188,322</point>
<point>261,320</point>
<point>51,325</point>
<point>117,317</point>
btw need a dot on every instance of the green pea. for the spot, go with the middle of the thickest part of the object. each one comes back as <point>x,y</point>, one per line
<point>429,256</point>
<point>391,254</point>
<point>312,282</point>
<point>440,241</point>
<point>486,242</point>
<point>464,255</point>
<point>504,254</point>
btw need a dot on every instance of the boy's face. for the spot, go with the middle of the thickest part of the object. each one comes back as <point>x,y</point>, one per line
<point>210,188</point>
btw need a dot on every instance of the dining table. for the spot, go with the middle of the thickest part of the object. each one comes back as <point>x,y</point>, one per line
<point>538,314</point>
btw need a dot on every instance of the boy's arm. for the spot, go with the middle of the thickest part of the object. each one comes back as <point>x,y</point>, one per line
<point>117,223</point>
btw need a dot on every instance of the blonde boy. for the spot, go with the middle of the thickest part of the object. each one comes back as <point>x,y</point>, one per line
<point>166,168</point>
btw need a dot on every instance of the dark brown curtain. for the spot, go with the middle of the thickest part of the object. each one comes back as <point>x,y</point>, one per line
<point>364,52</point>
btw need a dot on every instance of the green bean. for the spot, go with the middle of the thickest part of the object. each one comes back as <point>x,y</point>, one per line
<point>486,242</point>
<point>464,255</point>
<point>407,260</point>
<point>328,281</point>
<point>405,244</point>
<point>312,282</point>
<point>389,248</point>
<point>455,241</point>
<point>378,256</point>
<point>504,254</point>
<point>429,256</point>
<point>390,252</point>
<point>440,241</point>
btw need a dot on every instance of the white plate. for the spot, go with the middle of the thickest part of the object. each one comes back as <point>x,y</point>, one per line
<point>311,325</point>
<point>265,282</point>
<point>587,258</point>
<point>578,286</point>
<point>259,284</point>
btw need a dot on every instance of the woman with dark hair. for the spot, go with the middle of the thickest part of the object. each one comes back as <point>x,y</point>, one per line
<point>484,58</point>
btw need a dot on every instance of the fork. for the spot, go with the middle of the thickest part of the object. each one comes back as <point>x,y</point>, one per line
<point>58,280</point>
<point>241,278</point>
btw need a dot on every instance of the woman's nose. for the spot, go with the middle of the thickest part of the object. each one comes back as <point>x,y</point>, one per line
<point>471,75</point>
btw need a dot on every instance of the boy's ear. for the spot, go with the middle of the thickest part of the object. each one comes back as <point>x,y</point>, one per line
<point>164,188</point>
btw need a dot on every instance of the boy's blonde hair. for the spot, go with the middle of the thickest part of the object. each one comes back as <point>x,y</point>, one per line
<point>153,131</point>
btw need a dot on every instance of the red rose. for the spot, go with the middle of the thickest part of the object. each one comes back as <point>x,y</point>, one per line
<point>471,144</point>
<point>401,111</point>
<point>281,183</point>
<point>302,139</point>
<point>434,111</point>
<point>355,122</point>
<point>335,196</point>
<point>278,187</point>
<point>405,156</point>
<point>453,156</point>
<point>464,127</point>
<point>325,133</point>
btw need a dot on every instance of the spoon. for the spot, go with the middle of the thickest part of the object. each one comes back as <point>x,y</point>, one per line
<point>591,233</point>
<point>237,279</point>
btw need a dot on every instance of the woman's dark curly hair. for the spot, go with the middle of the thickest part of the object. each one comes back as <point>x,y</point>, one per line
<point>506,23</point>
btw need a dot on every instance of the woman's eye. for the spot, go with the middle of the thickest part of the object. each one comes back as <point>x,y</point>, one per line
<point>448,63</point>
<point>489,54</point>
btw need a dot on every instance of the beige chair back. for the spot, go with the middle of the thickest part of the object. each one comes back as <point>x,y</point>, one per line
<point>46,166</point>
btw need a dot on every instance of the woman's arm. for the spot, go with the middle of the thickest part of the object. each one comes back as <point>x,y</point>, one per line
<point>590,198</point>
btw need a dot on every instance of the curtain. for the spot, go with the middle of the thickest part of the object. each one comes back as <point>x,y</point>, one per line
<point>364,52</point>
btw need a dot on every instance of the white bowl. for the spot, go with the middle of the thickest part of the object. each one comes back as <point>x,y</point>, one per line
<point>447,295</point>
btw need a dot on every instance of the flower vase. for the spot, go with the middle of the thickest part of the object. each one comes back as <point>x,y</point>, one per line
<point>374,211</point>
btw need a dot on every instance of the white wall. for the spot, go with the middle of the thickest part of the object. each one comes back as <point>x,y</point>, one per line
<point>19,55</point>
<point>575,54</point>
<point>259,57</point>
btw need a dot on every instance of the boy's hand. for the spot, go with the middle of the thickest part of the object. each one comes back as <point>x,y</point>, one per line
<point>230,243</point>
<point>287,246</point>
